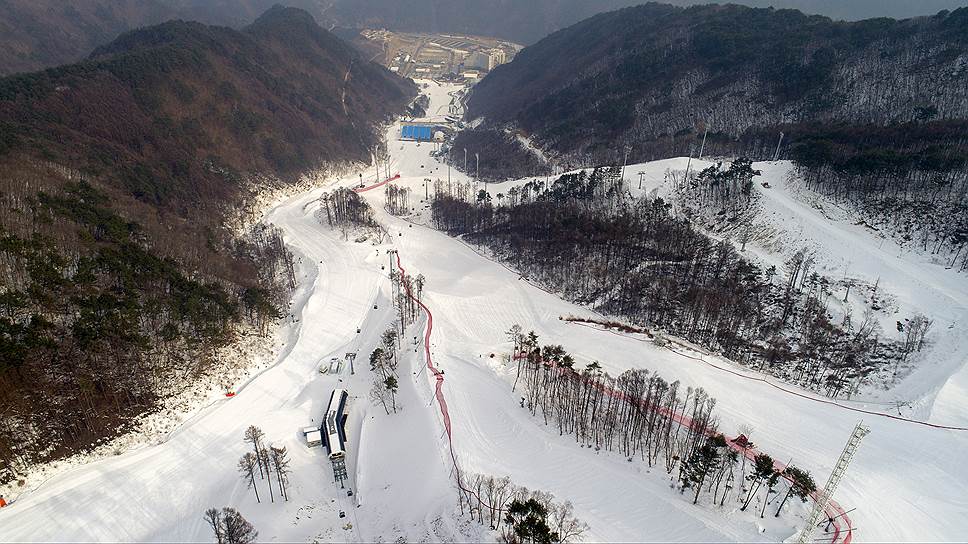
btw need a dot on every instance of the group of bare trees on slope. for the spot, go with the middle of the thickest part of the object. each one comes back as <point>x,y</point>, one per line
<point>267,460</point>
<point>640,415</point>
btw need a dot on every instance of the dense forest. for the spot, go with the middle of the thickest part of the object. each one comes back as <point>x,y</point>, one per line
<point>873,112</point>
<point>635,259</point>
<point>120,280</point>
<point>499,155</point>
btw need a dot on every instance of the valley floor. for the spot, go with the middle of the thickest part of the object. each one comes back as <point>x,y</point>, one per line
<point>908,482</point>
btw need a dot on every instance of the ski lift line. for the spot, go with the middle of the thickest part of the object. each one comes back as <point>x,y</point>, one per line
<point>797,393</point>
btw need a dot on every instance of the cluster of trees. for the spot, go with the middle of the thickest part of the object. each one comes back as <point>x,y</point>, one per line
<point>639,414</point>
<point>344,207</point>
<point>727,187</point>
<point>635,259</point>
<point>276,268</point>
<point>229,526</point>
<point>97,325</point>
<point>383,362</point>
<point>398,199</point>
<point>268,460</point>
<point>407,295</point>
<point>520,514</point>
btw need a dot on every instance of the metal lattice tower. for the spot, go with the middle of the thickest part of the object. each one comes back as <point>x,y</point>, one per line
<point>824,496</point>
<point>339,471</point>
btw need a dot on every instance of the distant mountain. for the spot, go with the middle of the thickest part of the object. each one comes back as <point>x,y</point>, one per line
<point>238,13</point>
<point>119,280</point>
<point>655,77</point>
<point>37,34</point>
<point>527,21</point>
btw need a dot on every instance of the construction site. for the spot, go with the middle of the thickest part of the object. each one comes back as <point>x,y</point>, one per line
<point>441,56</point>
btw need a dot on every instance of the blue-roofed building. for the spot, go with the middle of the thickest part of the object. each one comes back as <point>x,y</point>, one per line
<point>420,133</point>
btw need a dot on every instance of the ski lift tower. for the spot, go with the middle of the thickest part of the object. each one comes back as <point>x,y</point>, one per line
<point>824,496</point>
<point>339,471</point>
<point>351,356</point>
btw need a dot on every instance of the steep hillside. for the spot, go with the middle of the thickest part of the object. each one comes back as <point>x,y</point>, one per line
<point>118,280</point>
<point>873,111</point>
<point>656,71</point>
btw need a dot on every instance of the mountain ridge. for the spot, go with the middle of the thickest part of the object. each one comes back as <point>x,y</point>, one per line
<point>651,71</point>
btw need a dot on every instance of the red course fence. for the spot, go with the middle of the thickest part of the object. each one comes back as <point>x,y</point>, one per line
<point>375,185</point>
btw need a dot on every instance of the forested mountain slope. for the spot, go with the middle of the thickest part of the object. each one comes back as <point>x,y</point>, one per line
<point>870,110</point>
<point>118,279</point>
<point>655,71</point>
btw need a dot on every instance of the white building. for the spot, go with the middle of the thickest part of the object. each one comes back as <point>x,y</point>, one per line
<point>313,436</point>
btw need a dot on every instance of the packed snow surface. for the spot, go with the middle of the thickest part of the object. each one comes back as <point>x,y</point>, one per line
<point>908,481</point>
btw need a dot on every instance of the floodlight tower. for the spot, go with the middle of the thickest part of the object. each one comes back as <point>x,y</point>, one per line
<point>824,496</point>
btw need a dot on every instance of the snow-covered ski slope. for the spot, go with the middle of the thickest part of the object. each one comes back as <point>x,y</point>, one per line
<point>908,482</point>
<point>790,217</point>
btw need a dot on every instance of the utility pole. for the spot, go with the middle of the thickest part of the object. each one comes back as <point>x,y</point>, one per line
<point>776,154</point>
<point>823,497</point>
<point>465,160</point>
<point>449,192</point>
<point>688,164</point>
<point>703,146</point>
<point>477,176</point>
<point>624,163</point>
<point>640,179</point>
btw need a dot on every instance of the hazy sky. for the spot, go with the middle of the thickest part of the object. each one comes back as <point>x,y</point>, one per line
<point>848,9</point>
